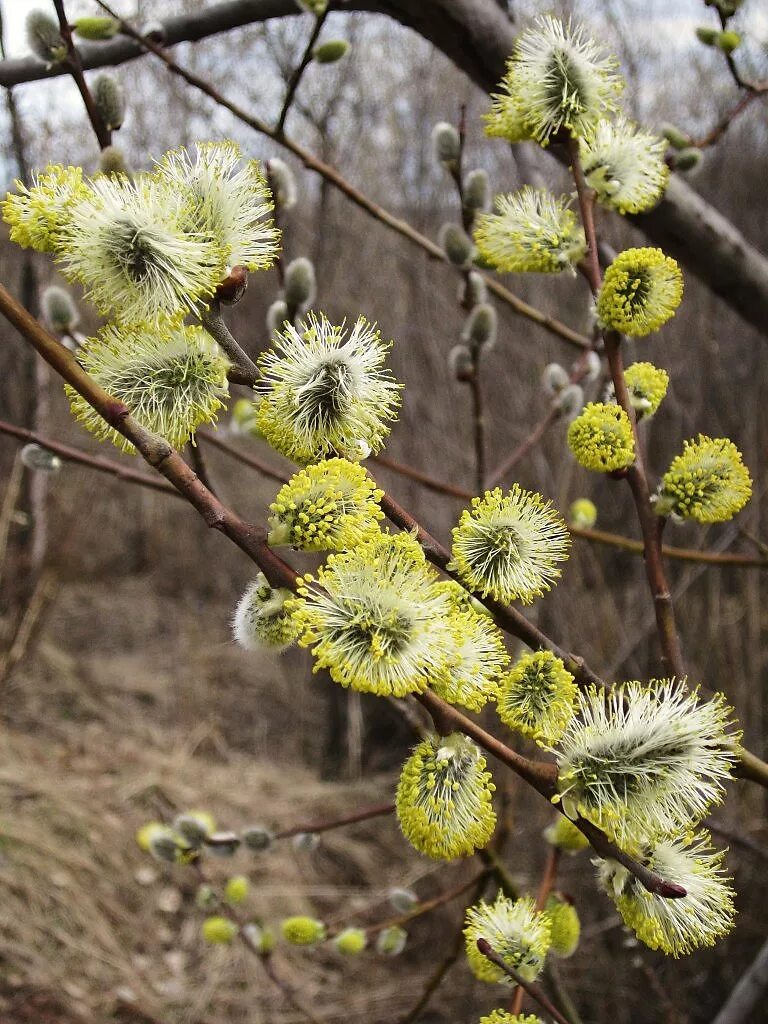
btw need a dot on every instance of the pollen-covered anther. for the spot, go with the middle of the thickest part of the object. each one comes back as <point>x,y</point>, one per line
<point>261,619</point>
<point>325,391</point>
<point>707,482</point>
<point>559,79</point>
<point>645,759</point>
<point>38,214</point>
<point>640,292</point>
<point>647,385</point>
<point>531,231</point>
<point>376,619</point>
<point>624,165</point>
<point>680,926</point>
<point>537,697</point>
<point>173,378</point>
<point>515,930</point>
<point>601,438</point>
<point>330,506</point>
<point>444,798</point>
<point>509,545</point>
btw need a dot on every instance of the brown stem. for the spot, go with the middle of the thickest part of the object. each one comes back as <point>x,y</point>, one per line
<point>102,133</point>
<point>332,176</point>
<point>545,887</point>
<point>533,990</point>
<point>213,322</point>
<point>248,460</point>
<point>427,906</point>
<point>377,811</point>
<point>478,421</point>
<point>297,75</point>
<point>439,486</point>
<point>525,447</point>
<point>97,462</point>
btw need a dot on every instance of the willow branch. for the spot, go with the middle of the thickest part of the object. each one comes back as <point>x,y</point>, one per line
<point>298,74</point>
<point>332,176</point>
<point>533,991</point>
<point>377,811</point>
<point>102,133</point>
<point>213,322</point>
<point>650,524</point>
<point>530,442</point>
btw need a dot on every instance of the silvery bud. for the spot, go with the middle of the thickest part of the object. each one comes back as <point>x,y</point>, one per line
<point>472,290</point>
<point>277,314</point>
<point>554,378</point>
<point>402,900</point>
<point>222,844</point>
<point>570,401</point>
<point>446,143</point>
<point>194,827</point>
<point>593,366</point>
<point>109,98</point>
<point>39,459</point>
<point>44,37</point>
<point>261,940</point>
<point>456,244</point>
<point>306,842</point>
<point>283,183</point>
<point>300,284</point>
<point>477,191</point>
<point>112,161</point>
<point>257,838</point>
<point>391,941</point>
<point>461,363</point>
<point>59,310</point>
<point>480,326</point>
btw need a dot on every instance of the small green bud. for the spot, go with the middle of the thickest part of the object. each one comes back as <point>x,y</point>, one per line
<point>112,161</point>
<point>456,244</point>
<point>260,938</point>
<point>402,900</point>
<point>218,931</point>
<point>283,183</point>
<point>673,135</point>
<point>473,290</point>
<point>302,931</point>
<point>480,326</point>
<point>194,826</point>
<point>59,310</point>
<point>316,7</point>
<point>582,514</point>
<point>570,401</point>
<point>300,285</point>
<point>205,896</point>
<point>477,190</point>
<point>165,845</point>
<point>331,51</point>
<point>391,941</point>
<point>277,314</point>
<point>222,844</point>
<point>565,927</point>
<point>236,890</point>
<point>564,835</point>
<point>257,838</point>
<point>109,98</point>
<point>554,379</point>
<point>44,37</point>
<point>40,460</point>
<point>461,363</point>
<point>707,35</point>
<point>688,159</point>
<point>446,144</point>
<point>306,842</point>
<point>726,7</point>
<point>351,941</point>
<point>96,28</point>
<point>728,41</point>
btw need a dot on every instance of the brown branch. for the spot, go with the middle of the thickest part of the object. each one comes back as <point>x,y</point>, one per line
<point>533,991</point>
<point>650,524</point>
<point>97,462</point>
<point>439,486</point>
<point>246,459</point>
<point>377,811</point>
<point>297,75</point>
<point>102,133</point>
<point>426,907</point>
<point>213,322</point>
<point>332,176</point>
<point>525,447</point>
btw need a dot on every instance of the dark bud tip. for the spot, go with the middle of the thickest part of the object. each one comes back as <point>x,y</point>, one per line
<point>672,891</point>
<point>232,288</point>
<point>484,946</point>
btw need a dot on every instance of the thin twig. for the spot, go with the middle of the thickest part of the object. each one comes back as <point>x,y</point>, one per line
<point>533,990</point>
<point>213,322</point>
<point>530,442</point>
<point>332,176</point>
<point>102,133</point>
<point>297,75</point>
<point>377,811</point>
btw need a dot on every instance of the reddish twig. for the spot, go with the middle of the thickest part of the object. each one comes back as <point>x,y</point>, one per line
<point>533,990</point>
<point>377,811</point>
<point>102,133</point>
